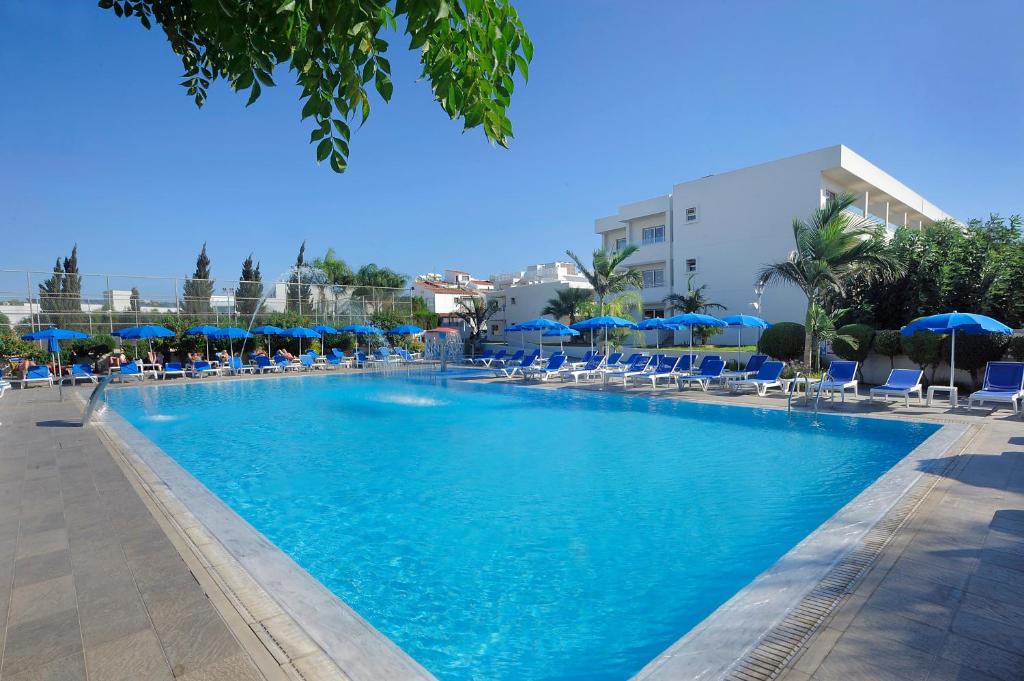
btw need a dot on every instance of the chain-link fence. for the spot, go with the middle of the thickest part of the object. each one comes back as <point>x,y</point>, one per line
<point>101,303</point>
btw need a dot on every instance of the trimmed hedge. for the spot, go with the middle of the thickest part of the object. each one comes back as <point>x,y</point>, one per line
<point>888,342</point>
<point>1015,348</point>
<point>862,333</point>
<point>784,341</point>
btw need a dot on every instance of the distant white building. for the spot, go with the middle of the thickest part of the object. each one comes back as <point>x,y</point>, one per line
<point>523,295</point>
<point>442,293</point>
<point>722,229</point>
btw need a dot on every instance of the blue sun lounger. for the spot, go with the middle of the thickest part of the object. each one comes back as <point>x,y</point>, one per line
<point>1004,382</point>
<point>553,368</point>
<point>840,377</point>
<point>589,370</point>
<point>129,370</point>
<point>754,364</point>
<point>489,361</point>
<point>767,377</point>
<point>665,370</point>
<point>635,368</point>
<point>710,370</point>
<point>901,383</point>
<point>80,372</point>
<point>173,369</point>
<point>516,358</point>
<point>202,368</point>
<point>510,371</point>
<point>36,374</point>
<point>483,359</point>
<point>236,368</point>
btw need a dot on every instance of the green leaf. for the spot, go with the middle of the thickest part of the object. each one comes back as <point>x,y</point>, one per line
<point>385,87</point>
<point>342,128</point>
<point>323,150</point>
<point>316,135</point>
<point>286,6</point>
<point>338,163</point>
<point>312,106</point>
<point>254,94</point>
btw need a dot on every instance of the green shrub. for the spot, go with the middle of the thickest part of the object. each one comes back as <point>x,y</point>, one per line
<point>924,349</point>
<point>862,334</point>
<point>1015,348</point>
<point>784,341</point>
<point>973,352</point>
<point>889,343</point>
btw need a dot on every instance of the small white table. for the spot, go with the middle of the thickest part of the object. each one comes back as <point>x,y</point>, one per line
<point>952,391</point>
<point>804,381</point>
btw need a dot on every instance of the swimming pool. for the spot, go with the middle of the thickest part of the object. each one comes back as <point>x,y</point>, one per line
<point>498,532</point>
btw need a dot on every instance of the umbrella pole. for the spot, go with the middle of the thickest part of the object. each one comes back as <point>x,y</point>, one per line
<point>540,337</point>
<point>952,360</point>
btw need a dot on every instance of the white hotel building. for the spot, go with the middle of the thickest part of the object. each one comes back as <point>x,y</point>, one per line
<point>723,228</point>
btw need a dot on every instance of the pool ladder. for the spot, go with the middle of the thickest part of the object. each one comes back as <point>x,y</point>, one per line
<point>792,391</point>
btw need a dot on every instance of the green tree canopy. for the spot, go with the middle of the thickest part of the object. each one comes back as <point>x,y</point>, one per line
<point>336,270</point>
<point>470,51</point>
<point>60,296</point>
<point>199,288</point>
<point>834,249</point>
<point>568,302</point>
<point>607,275</point>
<point>250,289</point>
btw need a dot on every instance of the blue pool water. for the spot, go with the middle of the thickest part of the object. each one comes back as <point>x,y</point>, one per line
<point>507,533</point>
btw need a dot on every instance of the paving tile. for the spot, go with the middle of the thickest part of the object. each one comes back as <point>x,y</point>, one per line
<point>234,668</point>
<point>50,520</point>
<point>944,670</point>
<point>42,599</point>
<point>39,543</point>
<point>859,656</point>
<point>195,639</point>
<point>983,658</point>
<point>919,600</point>
<point>979,628</point>
<point>33,644</point>
<point>70,668</point>
<point>42,567</point>
<point>111,616</point>
<point>1007,610</point>
<point>130,658</point>
<point>885,623</point>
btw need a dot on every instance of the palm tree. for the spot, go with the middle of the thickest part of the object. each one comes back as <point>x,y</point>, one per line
<point>833,248</point>
<point>605,275</point>
<point>567,303</point>
<point>693,300</point>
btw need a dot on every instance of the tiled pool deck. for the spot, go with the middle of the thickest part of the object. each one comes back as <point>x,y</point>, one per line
<point>96,584</point>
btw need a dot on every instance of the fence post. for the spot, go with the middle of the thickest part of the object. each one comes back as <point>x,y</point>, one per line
<point>28,299</point>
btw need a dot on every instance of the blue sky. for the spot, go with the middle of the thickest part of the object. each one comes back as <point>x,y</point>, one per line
<point>100,145</point>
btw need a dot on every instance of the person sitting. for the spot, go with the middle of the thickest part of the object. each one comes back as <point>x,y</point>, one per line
<point>223,357</point>
<point>281,352</point>
<point>259,352</point>
<point>26,364</point>
<point>158,358</point>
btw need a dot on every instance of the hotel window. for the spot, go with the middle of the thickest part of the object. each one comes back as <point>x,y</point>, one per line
<point>620,243</point>
<point>653,278</point>
<point>691,214</point>
<point>512,301</point>
<point>494,329</point>
<point>691,265</point>
<point>830,195</point>
<point>653,235</point>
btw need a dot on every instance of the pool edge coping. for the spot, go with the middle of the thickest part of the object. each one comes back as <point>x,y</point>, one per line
<point>726,644</point>
<point>309,630</point>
